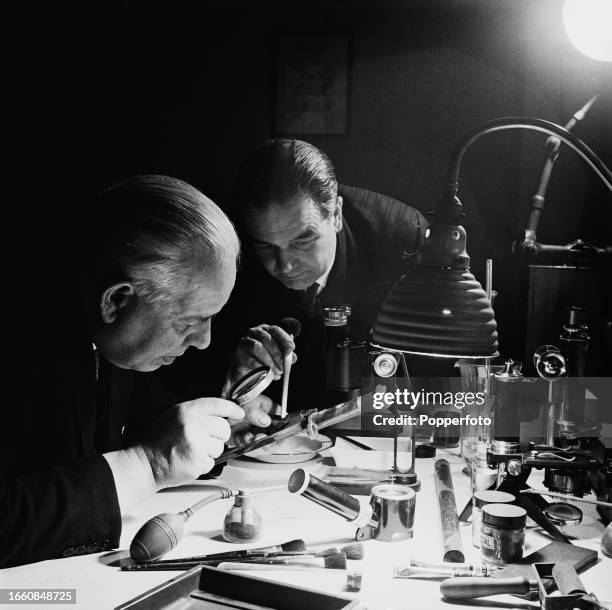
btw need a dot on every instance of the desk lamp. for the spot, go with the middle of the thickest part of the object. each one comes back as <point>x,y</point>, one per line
<point>438,308</point>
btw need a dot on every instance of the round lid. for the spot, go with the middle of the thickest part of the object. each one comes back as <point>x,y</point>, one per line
<point>506,516</point>
<point>563,513</point>
<point>334,316</point>
<point>491,496</point>
<point>391,491</point>
<point>251,385</point>
<point>425,451</point>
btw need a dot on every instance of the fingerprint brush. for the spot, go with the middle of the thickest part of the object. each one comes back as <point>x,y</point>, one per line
<point>293,546</point>
<point>334,562</point>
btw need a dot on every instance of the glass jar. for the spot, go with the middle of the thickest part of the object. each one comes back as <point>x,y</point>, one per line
<point>242,522</point>
<point>502,534</point>
<point>480,499</point>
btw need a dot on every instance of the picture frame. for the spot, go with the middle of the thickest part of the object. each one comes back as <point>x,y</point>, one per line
<point>312,84</point>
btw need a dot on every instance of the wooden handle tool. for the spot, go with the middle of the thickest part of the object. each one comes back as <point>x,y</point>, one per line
<point>481,586</point>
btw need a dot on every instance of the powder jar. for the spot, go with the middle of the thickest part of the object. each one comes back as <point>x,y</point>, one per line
<point>502,534</point>
<point>480,499</point>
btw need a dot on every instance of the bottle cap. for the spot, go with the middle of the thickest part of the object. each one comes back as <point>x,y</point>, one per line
<point>506,516</point>
<point>491,496</point>
<point>425,451</point>
<point>334,316</point>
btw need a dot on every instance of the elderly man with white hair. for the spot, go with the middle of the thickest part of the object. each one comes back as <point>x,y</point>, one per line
<point>152,266</point>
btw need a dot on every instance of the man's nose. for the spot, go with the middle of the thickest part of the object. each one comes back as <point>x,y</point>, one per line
<point>284,262</point>
<point>200,339</point>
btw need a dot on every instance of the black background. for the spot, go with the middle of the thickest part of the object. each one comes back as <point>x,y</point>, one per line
<point>97,92</point>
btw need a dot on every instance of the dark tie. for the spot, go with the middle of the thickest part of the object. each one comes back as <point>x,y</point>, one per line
<point>309,301</point>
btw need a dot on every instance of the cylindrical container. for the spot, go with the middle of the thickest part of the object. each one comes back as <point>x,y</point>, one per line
<point>502,534</point>
<point>330,497</point>
<point>506,389</point>
<point>574,342</point>
<point>242,522</point>
<point>335,323</point>
<point>451,538</point>
<point>393,508</point>
<point>343,357</point>
<point>480,499</point>
<point>483,476</point>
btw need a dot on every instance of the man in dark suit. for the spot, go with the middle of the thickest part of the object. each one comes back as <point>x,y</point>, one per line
<point>155,262</point>
<point>310,244</point>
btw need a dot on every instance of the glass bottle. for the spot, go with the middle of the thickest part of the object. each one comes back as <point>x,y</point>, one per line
<point>242,522</point>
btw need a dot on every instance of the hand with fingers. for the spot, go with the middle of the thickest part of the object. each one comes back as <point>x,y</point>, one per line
<point>184,442</point>
<point>263,345</point>
<point>257,415</point>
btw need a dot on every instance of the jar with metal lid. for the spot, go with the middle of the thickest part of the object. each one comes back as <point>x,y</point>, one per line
<point>502,534</point>
<point>242,522</point>
<point>480,499</point>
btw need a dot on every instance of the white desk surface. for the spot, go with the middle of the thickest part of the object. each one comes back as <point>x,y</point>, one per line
<point>286,517</point>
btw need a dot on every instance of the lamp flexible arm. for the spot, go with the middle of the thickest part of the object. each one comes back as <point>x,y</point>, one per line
<point>504,123</point>
<point>552,152</point>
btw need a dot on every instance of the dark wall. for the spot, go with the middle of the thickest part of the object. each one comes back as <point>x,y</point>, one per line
<point>187,89</point>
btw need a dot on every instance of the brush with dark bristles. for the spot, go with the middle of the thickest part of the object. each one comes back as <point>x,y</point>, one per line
<point>337,561</point>
<point>353,551</point>
<point>328,558</point>
<point>293,546</point>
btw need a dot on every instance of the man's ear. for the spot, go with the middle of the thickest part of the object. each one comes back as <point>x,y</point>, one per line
<point>338,214</point>
<point>114,300</point>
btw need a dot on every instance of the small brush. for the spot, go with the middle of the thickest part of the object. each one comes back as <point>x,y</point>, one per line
<point>334,562</point>
<point>293,546</point>
<point>352,551</point>
<point>337,561</point>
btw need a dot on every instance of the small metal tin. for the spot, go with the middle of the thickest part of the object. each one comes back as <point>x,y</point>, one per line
<point>393,511</point>
<point>502,536</point>
<point>482,498</point>
<point>251,385</point>
<point>562,513</point>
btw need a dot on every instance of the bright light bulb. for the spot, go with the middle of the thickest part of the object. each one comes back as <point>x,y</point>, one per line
<point>588,24</point>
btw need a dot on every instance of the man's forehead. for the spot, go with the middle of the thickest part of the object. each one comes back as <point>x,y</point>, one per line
<point>277,221</point>
<point>205,289</point>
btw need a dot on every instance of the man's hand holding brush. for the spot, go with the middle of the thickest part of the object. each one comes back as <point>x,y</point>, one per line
<point>264,345</point>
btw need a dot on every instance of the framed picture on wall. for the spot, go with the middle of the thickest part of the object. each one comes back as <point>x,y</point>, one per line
<point>312,82</point>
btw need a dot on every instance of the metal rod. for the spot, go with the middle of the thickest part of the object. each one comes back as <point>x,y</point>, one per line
<point>566,497</point>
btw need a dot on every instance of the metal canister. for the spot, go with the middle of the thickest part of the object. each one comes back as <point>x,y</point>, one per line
<point>507,401</point>
<point>574,343</point>
<point>502,533</point>
<point>482,498</point>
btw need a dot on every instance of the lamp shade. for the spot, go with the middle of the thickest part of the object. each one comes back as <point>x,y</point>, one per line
<point>438,308</point>
<point>439,312</point>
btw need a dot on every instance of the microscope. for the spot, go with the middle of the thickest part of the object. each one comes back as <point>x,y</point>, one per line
<point>353,369</point>
<point>573,457</point>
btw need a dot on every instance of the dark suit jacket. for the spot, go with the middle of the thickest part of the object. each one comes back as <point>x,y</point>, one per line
<point>371,253</point>
<point>57,493</point>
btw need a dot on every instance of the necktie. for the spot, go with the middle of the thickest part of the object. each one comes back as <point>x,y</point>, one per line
<point>310,301</point>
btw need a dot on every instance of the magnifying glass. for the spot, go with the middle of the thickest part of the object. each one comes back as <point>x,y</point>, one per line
<point>250,385</point>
